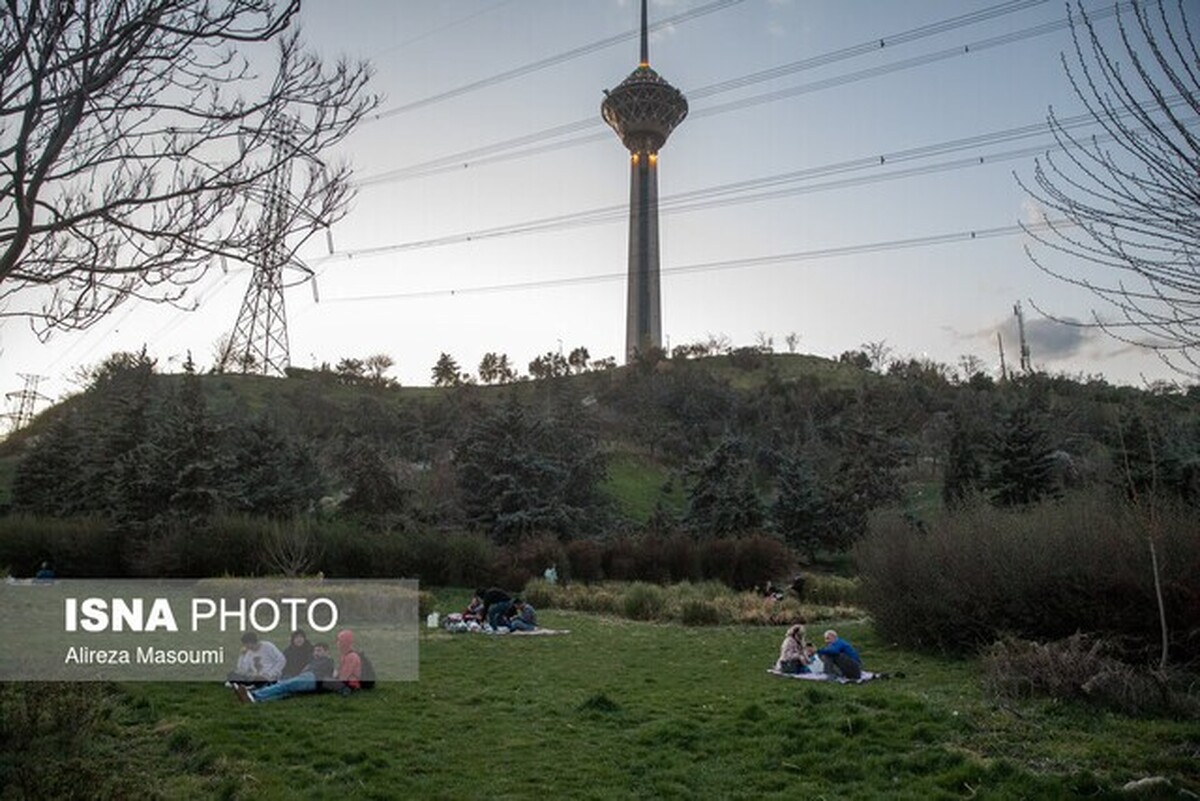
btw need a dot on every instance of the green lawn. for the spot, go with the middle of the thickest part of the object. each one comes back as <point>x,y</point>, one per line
<point>618,709</point>
<point>636,483</point>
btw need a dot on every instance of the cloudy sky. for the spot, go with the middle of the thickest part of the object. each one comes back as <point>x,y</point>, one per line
<point>847,174</point>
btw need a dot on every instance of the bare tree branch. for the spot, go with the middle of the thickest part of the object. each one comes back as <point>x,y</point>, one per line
<point>1127,202</point>
<point>136,146</point>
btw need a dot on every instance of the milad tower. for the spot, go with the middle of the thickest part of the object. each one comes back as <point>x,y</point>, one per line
<point>643,110</point>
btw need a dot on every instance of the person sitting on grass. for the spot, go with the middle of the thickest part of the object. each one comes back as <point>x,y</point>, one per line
<point>314,678</point>
<point>498,613</point>
<point>492,597</point>
<point>523,616</point>
<point>260,662</point>
<point>474,610</point>
<point>839,657</point>
<point>350,668</point>
<point>792,657</point>
<point>298,654</point>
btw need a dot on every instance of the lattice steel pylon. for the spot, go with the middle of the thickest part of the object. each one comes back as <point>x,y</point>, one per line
<point>643,110</point>
<point>26,399</point>
<point>259,343</point>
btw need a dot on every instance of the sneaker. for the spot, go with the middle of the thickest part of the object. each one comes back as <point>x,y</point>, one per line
<point>243,694</point>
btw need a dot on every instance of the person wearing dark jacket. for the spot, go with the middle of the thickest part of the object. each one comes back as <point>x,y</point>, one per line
<point>311,679</point>
<point>298,654</point>
<point>491,597</point>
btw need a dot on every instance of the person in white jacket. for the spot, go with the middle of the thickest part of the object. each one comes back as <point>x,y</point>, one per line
<point>259,664</point>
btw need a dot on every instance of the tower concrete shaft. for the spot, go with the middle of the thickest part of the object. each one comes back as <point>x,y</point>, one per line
<point>643,305</point>
<point>643,111</point>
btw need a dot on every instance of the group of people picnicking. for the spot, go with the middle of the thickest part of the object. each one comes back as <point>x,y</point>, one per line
<point>495,611</point>
<point>264,673</point>
<point>837,659</point>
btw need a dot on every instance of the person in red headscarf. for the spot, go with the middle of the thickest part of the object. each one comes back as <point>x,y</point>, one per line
<point>349,671</point>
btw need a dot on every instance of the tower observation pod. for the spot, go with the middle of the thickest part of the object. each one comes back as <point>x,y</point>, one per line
<point>643,110</point>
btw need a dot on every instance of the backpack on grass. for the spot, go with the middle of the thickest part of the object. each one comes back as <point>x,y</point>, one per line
<point>366,676</point>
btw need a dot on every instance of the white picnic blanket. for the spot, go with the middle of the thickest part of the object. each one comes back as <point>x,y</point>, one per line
<point>866,676</point>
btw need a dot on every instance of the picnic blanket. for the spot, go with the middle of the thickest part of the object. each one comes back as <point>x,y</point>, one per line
<point>456,625</point>
<point>866,676</point>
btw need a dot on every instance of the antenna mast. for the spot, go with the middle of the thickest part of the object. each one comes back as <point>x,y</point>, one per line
<point>1003,367</point>
<point>1021,333</point>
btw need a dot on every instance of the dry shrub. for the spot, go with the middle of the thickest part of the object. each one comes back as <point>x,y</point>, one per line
<point>1083,668</point>
<point>1040,573</point>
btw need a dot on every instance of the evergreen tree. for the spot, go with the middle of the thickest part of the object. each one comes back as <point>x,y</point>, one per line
<point>965,464</point>
<point>800,510</point>
<point>722,500</point>
<point>48,479</point>
<point>520,472</point>
<point>191,452</point>
<point>270,473</point>
<point>1023,465</point>
<point>375,489</point>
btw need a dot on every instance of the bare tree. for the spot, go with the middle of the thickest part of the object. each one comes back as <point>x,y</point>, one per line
<point>880,353</point>
<point>137,139</point>
<point>1124,205</point>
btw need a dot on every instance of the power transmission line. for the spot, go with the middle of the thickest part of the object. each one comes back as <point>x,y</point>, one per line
<point>759,189</point>
<point>506,149</point>
<point>730,264</point>
<point>551,61</point>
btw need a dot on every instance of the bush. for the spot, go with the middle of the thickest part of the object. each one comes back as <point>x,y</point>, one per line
<point>585,560</point>
<point>80,547</point>
<point>47,730</point>
<point>759,560</point>
<point>1044,573</point>
<point>1083,668</point>
<point>831,590</point>
<point>644,602</point>
<point>718,560</point>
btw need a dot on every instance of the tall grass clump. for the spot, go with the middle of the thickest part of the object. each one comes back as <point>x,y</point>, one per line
<point>1045,572</point>
<point>644,601</point>
<point>703,603</point>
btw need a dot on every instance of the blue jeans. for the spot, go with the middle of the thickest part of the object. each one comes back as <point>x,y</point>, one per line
<point>304,683</point>
<point>516,624</point>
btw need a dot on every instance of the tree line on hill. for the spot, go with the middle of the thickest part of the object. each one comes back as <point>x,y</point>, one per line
<point>805,457</point>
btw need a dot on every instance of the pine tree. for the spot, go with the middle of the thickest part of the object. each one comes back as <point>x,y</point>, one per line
<point>190,446</point>
<point>799,511</point>
<point>722,500</point>
<point>965,464</point>
<point>1023,465</point>
<point>520,472</point>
